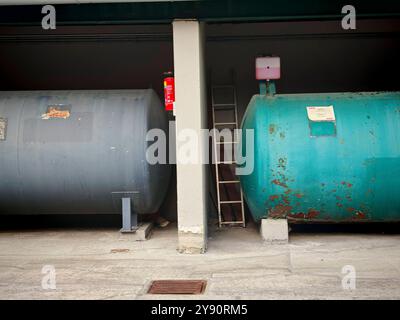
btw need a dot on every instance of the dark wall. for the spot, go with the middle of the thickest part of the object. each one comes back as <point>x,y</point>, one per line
<point>97,58</point>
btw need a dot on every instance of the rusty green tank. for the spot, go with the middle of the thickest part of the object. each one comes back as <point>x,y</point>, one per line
<point>332,157</point>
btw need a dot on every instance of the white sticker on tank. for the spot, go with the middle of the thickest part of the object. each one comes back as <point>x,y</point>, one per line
<point>319,113</point>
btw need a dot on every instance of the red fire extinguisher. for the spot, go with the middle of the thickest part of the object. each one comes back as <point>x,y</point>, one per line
<point>169,91</point>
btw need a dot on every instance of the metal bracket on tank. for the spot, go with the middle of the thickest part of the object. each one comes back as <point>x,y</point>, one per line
<point>267,87</point>
<point>129,216</point>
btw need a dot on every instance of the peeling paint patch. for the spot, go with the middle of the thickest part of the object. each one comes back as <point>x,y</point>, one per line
<point>3,129</point>
<point>56,112</point>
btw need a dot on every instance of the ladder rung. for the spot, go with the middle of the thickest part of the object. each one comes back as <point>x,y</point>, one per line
<point>226,162</point>
<point>231,201</point>
<point>224,123</point>
<point>230,181</point>
<point>232,222</point>
<point>231,142</point>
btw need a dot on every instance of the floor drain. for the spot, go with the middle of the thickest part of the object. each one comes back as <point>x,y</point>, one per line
<point>177,287</point>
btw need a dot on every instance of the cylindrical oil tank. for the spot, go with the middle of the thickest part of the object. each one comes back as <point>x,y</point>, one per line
<point>66,152</point>
<point>324,157</point>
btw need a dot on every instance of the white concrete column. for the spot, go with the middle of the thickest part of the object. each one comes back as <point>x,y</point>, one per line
<point>191,113</point>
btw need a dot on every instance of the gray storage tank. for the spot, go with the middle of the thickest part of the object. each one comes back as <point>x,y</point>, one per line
<point>66,152</point>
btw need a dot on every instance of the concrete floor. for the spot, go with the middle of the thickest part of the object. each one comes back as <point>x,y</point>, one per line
<point>237,265</point>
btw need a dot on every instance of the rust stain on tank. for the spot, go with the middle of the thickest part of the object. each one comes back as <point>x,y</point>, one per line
<point>54,112</point>
<point>311,214</point>
<point>285,199</point>
<point>280,211</point>
<point>299,215</point>
<point>360,215</point>
<point>272,129</point>
<point>279,183</point>
<point>273,197</point>
<point>348,184</point>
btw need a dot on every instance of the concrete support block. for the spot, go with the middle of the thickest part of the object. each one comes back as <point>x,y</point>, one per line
<point>142,233</point>
<point>275,231</point>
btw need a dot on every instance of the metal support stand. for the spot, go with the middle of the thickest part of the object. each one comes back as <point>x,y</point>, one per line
<point>129,217</point>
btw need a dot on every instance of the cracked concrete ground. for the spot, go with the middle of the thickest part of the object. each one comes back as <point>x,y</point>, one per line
<point>104,264</point>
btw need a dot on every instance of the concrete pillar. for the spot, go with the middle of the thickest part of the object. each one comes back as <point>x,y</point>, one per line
<point>191,113</point>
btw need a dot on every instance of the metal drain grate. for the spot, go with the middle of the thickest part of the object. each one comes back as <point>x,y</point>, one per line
<point>177,287</point>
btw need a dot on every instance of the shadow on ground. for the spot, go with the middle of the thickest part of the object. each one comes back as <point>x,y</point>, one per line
<point>30,222</point>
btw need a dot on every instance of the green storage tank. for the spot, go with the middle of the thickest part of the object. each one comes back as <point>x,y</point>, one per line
<point>332,157</point>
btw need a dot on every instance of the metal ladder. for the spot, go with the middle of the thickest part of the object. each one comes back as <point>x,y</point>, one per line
<point>240,217</point>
